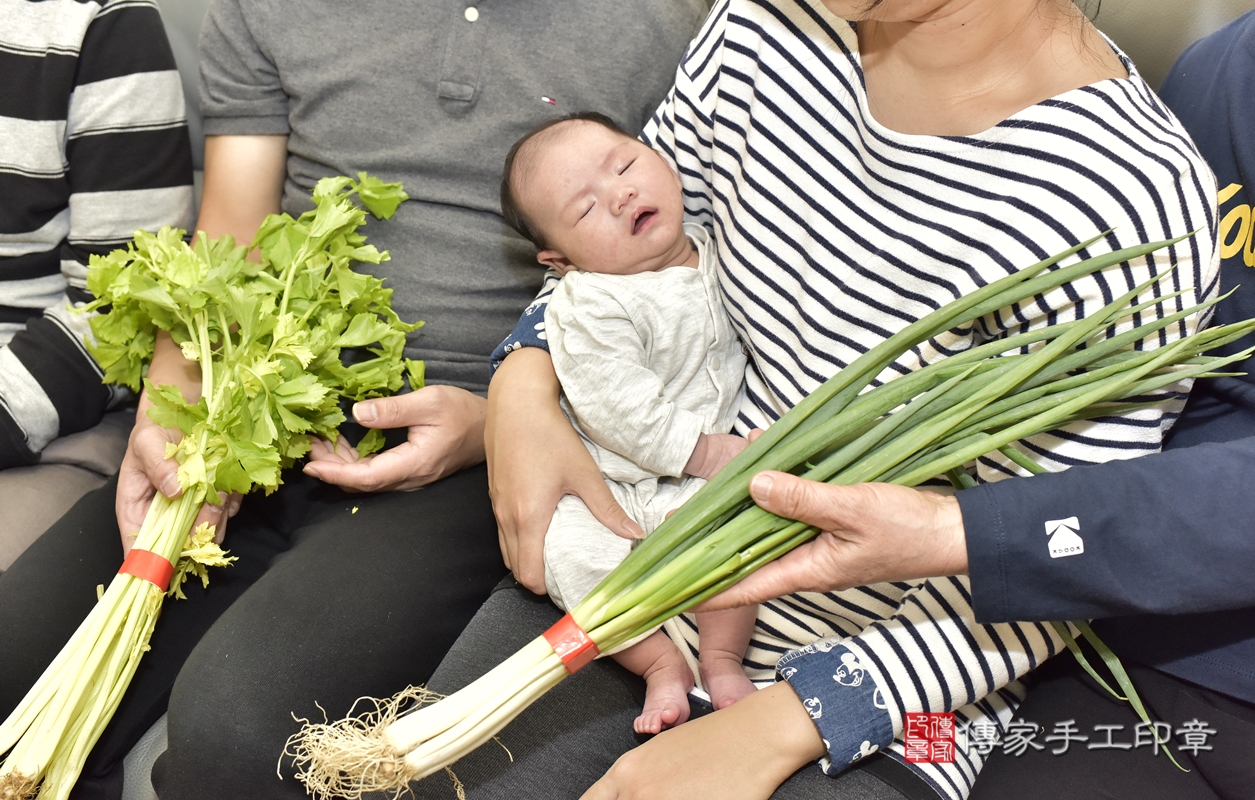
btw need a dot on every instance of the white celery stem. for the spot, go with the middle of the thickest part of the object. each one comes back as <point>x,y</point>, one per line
<point>69,699</point>
<point>49,735</point>
<point>118,655</point>
<point>64,771</point>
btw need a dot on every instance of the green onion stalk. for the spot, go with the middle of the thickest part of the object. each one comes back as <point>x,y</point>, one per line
<point>267,336</point>
<point>915,427</point>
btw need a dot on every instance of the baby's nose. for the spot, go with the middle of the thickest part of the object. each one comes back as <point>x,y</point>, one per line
<point>625,194</point>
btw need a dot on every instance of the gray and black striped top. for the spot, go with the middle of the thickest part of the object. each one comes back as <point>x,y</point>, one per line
<point>93,145</point>
<point>835,232</point>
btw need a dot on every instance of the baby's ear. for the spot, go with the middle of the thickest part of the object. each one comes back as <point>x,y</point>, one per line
<point>555,261</point>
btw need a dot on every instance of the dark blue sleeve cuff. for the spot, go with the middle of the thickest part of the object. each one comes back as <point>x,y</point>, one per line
<point>843,700</point>
<point>530,330</point>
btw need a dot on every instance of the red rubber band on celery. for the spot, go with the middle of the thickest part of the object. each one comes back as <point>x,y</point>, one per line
<point>571,644</point>
<point>147,565</point>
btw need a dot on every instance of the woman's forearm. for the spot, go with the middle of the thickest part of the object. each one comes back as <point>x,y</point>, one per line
<point>535,457</point>
<point>782,726</point>
<point>743,752</point>
<point>525,380</point>
<point>243,183</point>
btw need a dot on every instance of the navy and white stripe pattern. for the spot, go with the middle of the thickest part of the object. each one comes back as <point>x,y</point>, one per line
<point>835,232</point>
<point>93,145</point>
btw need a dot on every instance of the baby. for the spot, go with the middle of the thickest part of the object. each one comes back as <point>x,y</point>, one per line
<point>650,367</point>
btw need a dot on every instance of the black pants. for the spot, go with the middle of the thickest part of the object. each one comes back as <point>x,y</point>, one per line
<point>568,739</point>
<point>1064,693</point>
<point>334,596</point>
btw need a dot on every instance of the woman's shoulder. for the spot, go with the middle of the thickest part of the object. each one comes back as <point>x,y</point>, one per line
<point>747,27</point>
<point>1116,123</point>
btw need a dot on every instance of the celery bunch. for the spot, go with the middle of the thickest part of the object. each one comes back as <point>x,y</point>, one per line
<point>268,337</point>
<point>907,430</point>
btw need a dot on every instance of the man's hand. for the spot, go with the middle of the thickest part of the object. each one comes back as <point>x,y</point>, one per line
<point>446,434</point>
<point>743,752</point>
<point>534,458</point>
<point>870,533</point>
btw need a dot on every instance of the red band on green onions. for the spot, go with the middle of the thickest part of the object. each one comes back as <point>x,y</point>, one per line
<point>149,566</point>
<point>571,644</point>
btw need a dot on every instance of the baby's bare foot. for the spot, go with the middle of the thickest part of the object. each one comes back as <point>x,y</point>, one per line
<point>666,696</point>
<point>723,678</point>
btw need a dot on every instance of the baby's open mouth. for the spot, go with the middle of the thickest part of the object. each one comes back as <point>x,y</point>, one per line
<point>642,219</point>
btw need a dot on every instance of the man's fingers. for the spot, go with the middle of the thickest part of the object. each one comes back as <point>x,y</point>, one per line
<point>214,515</point>
<point>392,412</point>
<point>506,545</point>
<point>794,572</point>
<point>382,472</point>
<point>134,495</point>
<point>822,505</point>
<point>341,452</point>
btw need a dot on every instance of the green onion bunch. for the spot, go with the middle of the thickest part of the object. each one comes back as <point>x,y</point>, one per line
<point>932,421</point>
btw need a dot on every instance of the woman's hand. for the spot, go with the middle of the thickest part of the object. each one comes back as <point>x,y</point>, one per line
<point>870,533</point>
<point>446,434</point>
<point>534,458</point>
<point>743,752</point>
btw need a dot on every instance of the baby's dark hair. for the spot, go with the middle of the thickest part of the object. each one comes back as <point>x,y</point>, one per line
<point>509,202</point>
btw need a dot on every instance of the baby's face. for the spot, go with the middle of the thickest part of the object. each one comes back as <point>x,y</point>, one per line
<point>605,202</point>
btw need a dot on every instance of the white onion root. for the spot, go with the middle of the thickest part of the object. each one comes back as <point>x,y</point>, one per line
<point>351,757</point>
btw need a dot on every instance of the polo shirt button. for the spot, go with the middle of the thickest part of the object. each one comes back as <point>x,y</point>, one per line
<point>715,363</point>
<point>471,13</point>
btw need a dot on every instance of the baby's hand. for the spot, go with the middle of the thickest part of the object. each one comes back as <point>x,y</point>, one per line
<point>712,452</point>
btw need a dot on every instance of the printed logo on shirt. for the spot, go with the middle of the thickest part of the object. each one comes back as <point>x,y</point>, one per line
<point>1237,231</point>
<point>850,673</point>
<point>1064,540</point>
<point>864,750</point>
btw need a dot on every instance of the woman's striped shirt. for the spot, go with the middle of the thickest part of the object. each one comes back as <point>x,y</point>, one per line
<point>93,145</point>
<point>834,233</point>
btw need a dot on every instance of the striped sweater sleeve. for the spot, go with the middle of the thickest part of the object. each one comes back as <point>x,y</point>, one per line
<point>94,100</point>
